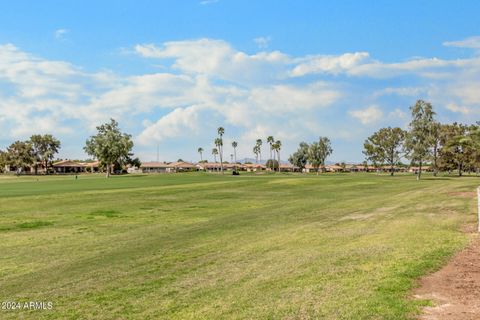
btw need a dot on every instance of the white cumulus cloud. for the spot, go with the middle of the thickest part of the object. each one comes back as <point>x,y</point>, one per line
<point>368,115</point>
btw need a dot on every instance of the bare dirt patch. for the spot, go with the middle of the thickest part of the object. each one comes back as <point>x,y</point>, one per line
<point>455,289</point>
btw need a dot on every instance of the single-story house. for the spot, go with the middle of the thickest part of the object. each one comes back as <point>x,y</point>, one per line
<point>309,168</point>
<point>156,167</point>
<point>183,166</point>
<point>363,168</point>
<point>68,166</point>
<point>233,166</point>
<point>387,168</point>
<point>415,170</point>
<point>93,166</point>
<point>209,166</point>
<point>216,167</point>
<point>289,168</point>
<point>253,167</point>
<point>334,168</point>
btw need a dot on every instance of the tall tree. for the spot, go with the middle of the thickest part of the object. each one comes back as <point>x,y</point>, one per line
<point>259,143</point>
<point>20,155</point>
<point>200,150</point>
<point>215,153</point>
<point>476,134</point>
<point>3,161</point>
<point>386,147</point>
<point>436,145</point>
<point>458,149</point>
<point>325,149</point>
<point>365,166</point>
<point>314,156</point>
<point>235,145</point>
<point>44,149</point>
<point>475,137</point>
<point>318,152</point>
<point>300,157</point>
<point>256,151</point>
<point>270,141</point>
<point>418,141</point>
<point>219,144</point>
<point>109,145</point>
<point>277,148</point>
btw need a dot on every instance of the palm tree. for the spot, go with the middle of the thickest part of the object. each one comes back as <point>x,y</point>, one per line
<point>274,157</point>
<point>256,151</point>
<point>259,144</point>
<point>278,146</point>
<point>219,144</point>
<point>200,150</point>
<point>234,145</point>
<point>270,141</point>
<point>215,152</point>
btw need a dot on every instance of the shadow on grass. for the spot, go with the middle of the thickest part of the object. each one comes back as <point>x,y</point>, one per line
<point>106,213</point>
<point>26,225</point>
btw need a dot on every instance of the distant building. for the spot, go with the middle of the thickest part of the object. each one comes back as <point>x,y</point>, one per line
<point>415,170</point>
<point>68,166</point>
<point>183,166</point>
<point>289,168</point>
<point>254,167</point>
<point>156,167</point>
<point>335,168</point>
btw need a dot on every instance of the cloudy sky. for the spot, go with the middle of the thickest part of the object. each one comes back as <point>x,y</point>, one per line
<point>171,72</point>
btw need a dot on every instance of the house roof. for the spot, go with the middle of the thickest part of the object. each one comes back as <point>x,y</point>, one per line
<point>232,165</point>
<point>93,164</point>
<point>154,164</point>
<point>253,165</point>
<point>68,163</point>
<point>209,165</point>
<point>288,166</point>
<point>423,168</point>
<point>334,167</point>
<point>182,164</point>
<point>309,166</point>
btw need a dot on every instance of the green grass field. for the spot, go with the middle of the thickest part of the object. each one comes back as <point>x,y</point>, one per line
<point>200,246</point>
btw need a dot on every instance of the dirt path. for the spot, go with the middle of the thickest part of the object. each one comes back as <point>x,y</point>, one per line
<point>455,289</point>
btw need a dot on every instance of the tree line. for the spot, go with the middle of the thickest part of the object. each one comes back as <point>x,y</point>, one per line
<point>426,142</point>
<point>39,149</point>
<point>110,146</point>
<point>272,163</point>
<point>444,147</point>
<point>315,153</point>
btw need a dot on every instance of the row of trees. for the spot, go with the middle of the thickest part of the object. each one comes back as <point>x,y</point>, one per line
<point>315,153</point>
<point>110,146</point>
<point>39,149</point>
<point>445,147</point>
<point>275,147</point>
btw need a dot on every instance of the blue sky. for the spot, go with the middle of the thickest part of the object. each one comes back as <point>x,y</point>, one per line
<point>171,72</point>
